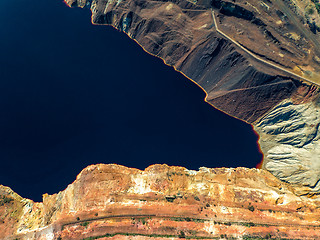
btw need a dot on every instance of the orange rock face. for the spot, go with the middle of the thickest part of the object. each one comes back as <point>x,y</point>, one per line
<point>161,202</point>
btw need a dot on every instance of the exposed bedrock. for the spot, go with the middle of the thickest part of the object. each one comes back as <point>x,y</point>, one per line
<point>284,111</point>
<point>163,202</point>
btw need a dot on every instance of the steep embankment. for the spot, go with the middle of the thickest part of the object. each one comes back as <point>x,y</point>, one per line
<point>184,36</point>
<point>163,202</point>
<point>252,58</point>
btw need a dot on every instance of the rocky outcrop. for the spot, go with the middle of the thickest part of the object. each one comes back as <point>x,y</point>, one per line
<point>162,202</point>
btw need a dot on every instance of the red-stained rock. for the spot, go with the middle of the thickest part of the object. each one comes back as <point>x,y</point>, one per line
<point>162,202</point>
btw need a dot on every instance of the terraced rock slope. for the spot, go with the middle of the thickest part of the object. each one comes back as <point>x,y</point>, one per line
<point>162,202</point>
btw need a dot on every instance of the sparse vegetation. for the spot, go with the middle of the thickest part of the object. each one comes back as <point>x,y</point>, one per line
<point>182,234</point>
<point>227,223</point>
<point>317,5</point>
<point>251,208</point>
<point>268,236</point>
<point>309,10</point>
<point>260,238</point>
<point>187,219</point>
<point>143,221</point>
<point>5,200</point>
<point>198,220</point>
<point>171,198</point>
<point>248,224</point>
<point>84,224</point>
<point>148,235</point>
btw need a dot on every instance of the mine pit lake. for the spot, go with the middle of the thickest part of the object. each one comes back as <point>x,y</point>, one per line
<point>73,94</point>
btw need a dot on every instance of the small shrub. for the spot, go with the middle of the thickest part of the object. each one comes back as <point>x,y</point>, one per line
<point>268,236</point>
<point>143,220</point>
<point>249,224</point>
<point>182,234</point>
<point>170,198</point>
<point>7,200</point>
<point>84,224</point>
<point>309,10</point>
<point>251,208</point>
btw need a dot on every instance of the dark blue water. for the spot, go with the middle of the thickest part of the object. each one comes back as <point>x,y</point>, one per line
<point>73,94</point>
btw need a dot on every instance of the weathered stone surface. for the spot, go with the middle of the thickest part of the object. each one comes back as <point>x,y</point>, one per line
<point>161,202</point>
<point>290,139</point>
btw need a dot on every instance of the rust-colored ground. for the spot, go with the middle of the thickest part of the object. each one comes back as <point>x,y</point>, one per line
<point>116,202</point>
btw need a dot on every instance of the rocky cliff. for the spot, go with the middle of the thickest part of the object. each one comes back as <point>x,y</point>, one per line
<point>163,202</point>
<point>258,61</point>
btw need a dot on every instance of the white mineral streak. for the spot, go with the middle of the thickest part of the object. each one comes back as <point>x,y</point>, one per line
<point>140,185</point>
<point>191,172</point>
<point>210,227</point>
<point>30,211</point>
<point>198,187</point>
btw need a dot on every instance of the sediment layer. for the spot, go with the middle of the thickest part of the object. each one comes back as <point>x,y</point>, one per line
<point>161,202</point>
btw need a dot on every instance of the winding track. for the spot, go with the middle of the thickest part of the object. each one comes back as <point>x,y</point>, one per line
<point>256,57</point>
<point>218,220</point>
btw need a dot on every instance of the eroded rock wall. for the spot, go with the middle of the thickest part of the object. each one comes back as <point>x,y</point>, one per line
<point>163,202</point>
